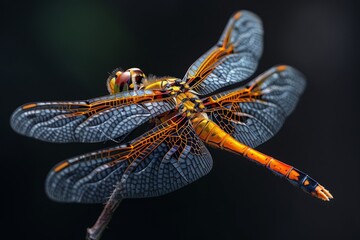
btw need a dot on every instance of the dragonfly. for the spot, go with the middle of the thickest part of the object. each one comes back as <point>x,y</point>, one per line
<point>185,114</point>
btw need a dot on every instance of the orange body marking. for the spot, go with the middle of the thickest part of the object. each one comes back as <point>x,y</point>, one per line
<point>213,135</point>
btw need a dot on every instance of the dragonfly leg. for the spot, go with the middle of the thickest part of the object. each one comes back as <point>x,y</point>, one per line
<point>94,233</point>
<point>213,135</point>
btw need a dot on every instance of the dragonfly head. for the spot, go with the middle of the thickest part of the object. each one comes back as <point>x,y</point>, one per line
<point>131,79</point>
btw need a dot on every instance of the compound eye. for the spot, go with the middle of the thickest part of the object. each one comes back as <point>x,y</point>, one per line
<point>137,75</point>
<point>123,81</point>
<point>110,82</point>
<point>138,78</point>
<point>123,78</point>
<point>118,73</point>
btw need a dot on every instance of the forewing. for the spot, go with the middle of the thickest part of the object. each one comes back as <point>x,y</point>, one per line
<point>233,59</point>
<point>255,113</point>
<point>160,161</point>
<point>93,120</point>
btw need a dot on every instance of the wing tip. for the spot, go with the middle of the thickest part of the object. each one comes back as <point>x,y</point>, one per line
<point>28,105</point>
<point>237,15</point>
<point>281,68</point>
<point>56,189</point>
<point>242,13</point>
<point>16,118</point>
<point>61,166</point>
<point>299,76</point>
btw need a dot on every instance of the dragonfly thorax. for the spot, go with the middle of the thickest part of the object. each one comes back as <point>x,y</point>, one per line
<point>172,84</point>
<point>189,103</point>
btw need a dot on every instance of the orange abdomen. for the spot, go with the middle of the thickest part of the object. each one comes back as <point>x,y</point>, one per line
<point>213,135</point>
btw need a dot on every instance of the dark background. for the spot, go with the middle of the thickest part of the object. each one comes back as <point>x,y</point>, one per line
<point>61,50</point>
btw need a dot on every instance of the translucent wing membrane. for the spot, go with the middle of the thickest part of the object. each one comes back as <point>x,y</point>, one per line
<point>160,161</point>
<point>255,113</point>
<point>94,120</point>
<point>233,59</point>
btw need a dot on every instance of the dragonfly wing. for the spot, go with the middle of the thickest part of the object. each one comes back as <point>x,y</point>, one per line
<point>233,59</point>
<point>255,113</point>
<point>94,120</point>
<point>160,161</point>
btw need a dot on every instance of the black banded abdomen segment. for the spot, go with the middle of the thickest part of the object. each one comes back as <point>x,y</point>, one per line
<point>95,120</point>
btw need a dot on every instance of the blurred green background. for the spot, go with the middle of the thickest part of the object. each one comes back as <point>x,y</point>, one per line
<point>64,50</point>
